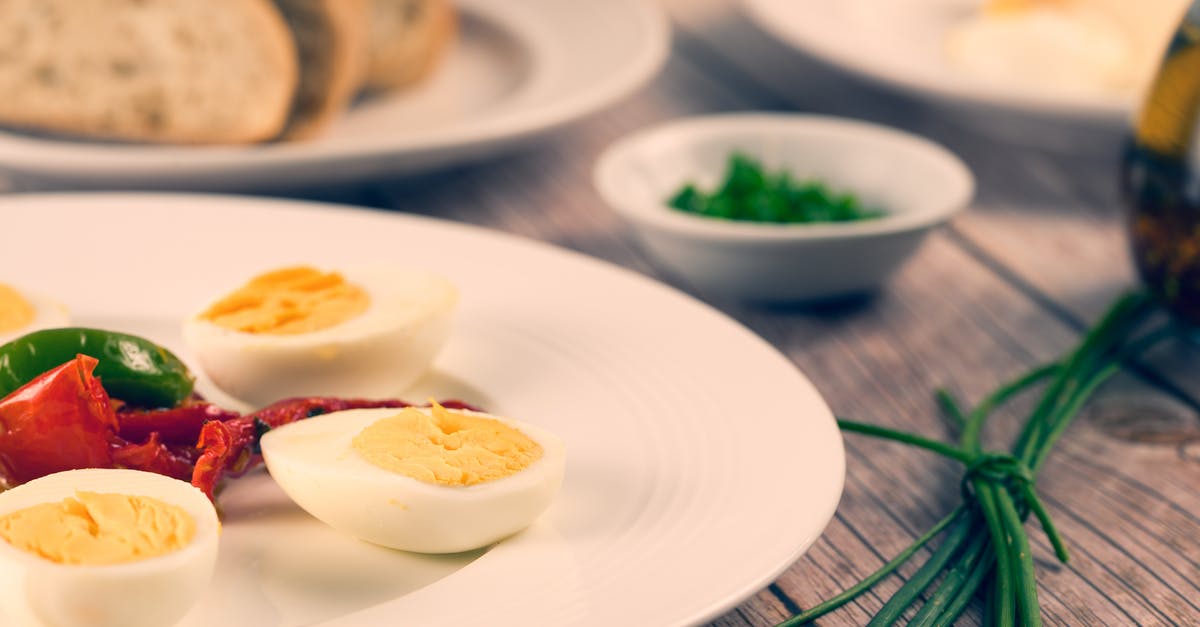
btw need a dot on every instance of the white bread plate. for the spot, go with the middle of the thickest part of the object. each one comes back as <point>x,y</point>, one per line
<point>517,69</point>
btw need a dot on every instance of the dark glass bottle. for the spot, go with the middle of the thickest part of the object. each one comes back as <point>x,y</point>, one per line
<point>1161,176</point>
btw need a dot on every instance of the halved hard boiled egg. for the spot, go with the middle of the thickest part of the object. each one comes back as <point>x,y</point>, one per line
<point>23,312</point>
<point>429,480</point>
<point>301,331</point>
<point>105,548</point>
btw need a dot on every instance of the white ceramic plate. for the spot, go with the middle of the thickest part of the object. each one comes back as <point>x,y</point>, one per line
<point>700,462</point>
<point>901,43</point>
<point>517,69</point>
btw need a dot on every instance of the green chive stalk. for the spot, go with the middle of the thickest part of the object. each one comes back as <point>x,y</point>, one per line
<point>984,550</point>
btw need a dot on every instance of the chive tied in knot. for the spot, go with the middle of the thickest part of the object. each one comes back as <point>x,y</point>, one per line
<point>984,549</point>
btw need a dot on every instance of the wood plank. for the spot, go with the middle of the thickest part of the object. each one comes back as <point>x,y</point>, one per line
<point>1069,592</point>
<point>887,366</point>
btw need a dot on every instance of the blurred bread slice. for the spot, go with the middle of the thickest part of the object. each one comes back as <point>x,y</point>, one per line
<point>331,42</point>
<point>407,39</point>
<point>216,71</point>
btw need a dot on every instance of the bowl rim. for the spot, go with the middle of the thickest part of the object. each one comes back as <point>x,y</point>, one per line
<point>959,180</point>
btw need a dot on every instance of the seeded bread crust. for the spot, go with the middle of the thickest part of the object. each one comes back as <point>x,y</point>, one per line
<point>408,38</point>
<point>217,71</point>
<point>330,40</point>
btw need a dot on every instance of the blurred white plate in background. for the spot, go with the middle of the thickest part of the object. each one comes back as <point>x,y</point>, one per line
<point>903,43</point>
<point>518,68</point>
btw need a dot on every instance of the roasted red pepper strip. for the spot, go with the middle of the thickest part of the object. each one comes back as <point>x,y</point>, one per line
<point>61,420</point>
<point>154,456</point>
<point>177,425</point>
<point>217,442</point>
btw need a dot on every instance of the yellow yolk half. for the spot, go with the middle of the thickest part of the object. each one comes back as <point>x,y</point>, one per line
<point>96,529</point>
<point>15,311</point>
<point>445,447</point>
<point>289,301</point>
<point>1001,7</point>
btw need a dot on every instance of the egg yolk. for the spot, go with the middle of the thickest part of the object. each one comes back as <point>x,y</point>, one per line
<point>1001,7</point>
<point>289,301</point>
<point>96,529</point>
<point>446,447</point>
<point>15,312</point>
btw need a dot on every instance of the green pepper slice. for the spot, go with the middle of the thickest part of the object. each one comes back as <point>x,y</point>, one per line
<point>132,369</point>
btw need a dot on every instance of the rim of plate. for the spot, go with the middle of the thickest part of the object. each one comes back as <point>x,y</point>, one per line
<point>85,160</point>
<point>771,556</point>
<point>839,49</point>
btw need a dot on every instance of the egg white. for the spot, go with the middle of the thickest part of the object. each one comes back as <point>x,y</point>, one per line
<point>147,593</point>
<point>378,353</point>
<point>47,314</point>
<point>315,464</point>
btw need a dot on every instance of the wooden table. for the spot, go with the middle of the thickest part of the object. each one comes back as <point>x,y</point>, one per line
<point>1010,284</point>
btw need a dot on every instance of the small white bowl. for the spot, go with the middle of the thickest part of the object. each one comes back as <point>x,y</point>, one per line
<point>918,183</point>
